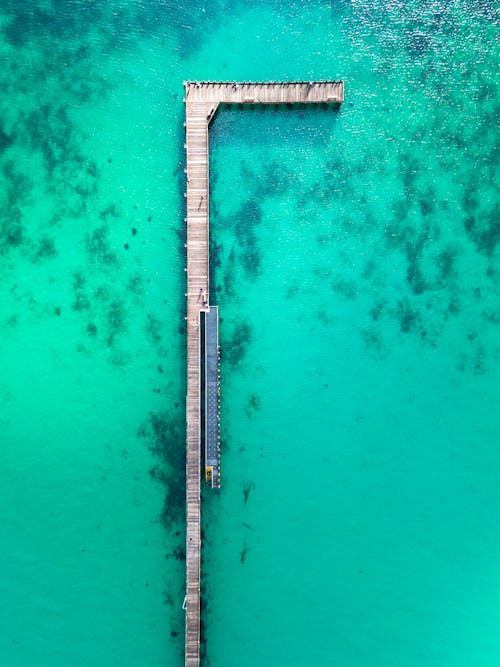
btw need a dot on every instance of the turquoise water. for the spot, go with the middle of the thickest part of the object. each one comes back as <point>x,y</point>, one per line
<point>355,264</point>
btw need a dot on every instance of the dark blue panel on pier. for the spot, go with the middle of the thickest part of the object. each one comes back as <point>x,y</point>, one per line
<point>212,395</point>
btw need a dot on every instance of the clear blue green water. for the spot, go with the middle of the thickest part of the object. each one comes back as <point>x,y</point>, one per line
<point>355,258</point>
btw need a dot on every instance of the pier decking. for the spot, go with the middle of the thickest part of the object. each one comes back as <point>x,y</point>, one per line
<point>201,101</point>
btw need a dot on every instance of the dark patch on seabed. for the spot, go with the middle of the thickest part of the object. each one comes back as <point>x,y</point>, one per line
<point>253,405</point>
<point>45,248</point>
<point>16,188</point>
<point>12,233</point>
<point>44,130</point>
<point>484,230</point>
<point>99,250</point>
<point>275,179</point>
<point>244,552</point>
<point>235,348</point>
<point>116,319</point>
<point>346,288</point>
<point>372,340</point>
<point>247,218</point>
<point>154,327</point>
<point>229,276</point>
<point>248,487</point>
<point>5,140</point>
<point>68,23</point>
<point>191,22</point>
<point>164,433</point>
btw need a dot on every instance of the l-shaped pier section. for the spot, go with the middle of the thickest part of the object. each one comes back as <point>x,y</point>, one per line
<point>201,101</point>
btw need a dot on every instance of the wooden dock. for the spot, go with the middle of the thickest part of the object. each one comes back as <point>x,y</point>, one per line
<point>201,101</point>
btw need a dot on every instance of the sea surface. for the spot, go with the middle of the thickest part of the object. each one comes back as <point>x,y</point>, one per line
<point>355,262</point>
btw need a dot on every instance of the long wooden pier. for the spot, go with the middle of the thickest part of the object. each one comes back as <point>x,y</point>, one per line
<point>201,101</point>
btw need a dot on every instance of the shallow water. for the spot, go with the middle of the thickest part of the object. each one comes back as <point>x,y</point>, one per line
<point>355,264</point>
